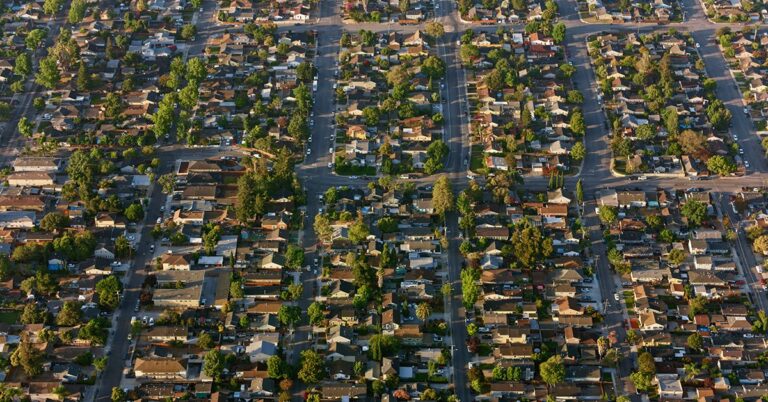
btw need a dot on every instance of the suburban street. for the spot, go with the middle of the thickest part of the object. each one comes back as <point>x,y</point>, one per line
<point>316,176</point>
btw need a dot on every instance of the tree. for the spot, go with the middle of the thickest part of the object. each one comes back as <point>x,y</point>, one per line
<point>695,341</point>
<point>53,222</point>
<point>48,74</point>
<point>468,53</point>
<point>676,256</point>
<point>196,70</point>
<point>312,368</point>
<point>289,315</point>
<point>204,340</point>
<point>552,371</point>
<point>76,11</point>
<point>423,311</point>
<point>50,7</point>
<point>294,256</point>
<point>213,364</point>
<point>694,211</point>
<point>32,315</point>
<point>721,165</point>
<point>404,6</point>
<point>70,314</point>
<point>530,245</point>
<point>442,196</point>
<point>434,67</point>
<point>578,152</point>
<point>577,123</point>
<point>579,192</point>
<point>118,395</point>
<point>322,227</point>
<point>607,215</point>
<point>558,32</point>
<point>691,142</point>
<point>575,97</point>
<point>645,132</point>
<point>469,287</point>
<point>316,313</point>
<point>25,127</point>
<point>603,344</point>
<point>108,290</point>
<point>641,381</point>
<point>358,231</point>
<point>28,357</point>
<point>23,64</point>
<point>646,364</point>
<point>761,244</point>
<point>276,367</point>
<point>188,31</point>
<point>435,29</point>
<point>134,212</point>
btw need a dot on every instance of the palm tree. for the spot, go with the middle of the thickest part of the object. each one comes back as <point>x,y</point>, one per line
<point>423,311</point>
<point>691,371</point>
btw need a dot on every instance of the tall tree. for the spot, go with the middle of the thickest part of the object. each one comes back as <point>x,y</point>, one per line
<point>442,196</point>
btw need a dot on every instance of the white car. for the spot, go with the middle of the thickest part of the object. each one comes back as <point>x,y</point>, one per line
<point>330,165</point>
<point>159,220</point>
<point>746,164</point>
<point>330,150</point>
<point>617,297</point>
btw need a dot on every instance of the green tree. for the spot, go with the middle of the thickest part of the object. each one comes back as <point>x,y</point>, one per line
<point>48,74</point>
<point>289,315</point>
<point>721,165</point>
<point>188,31</point>
<point>469,288</point>
<point>579,192</point>
<point>213,364</point>
<point>358,231</point>
<point>70,314</point>
<point>32,315</point>
<point>50,7</point>
<point>322,227</point>
<point>25,127</point>
<point>312,368</point>
<point>33,40</point>
<point>108,290</point>
<point>423,311</point>
<point>694,211</point>
<point>316,313</point>
<point>76,11</point>
<point>205,341</point>
<point>695,341</point>
<point>435,29</point>
<point>196,70</point>
<point>530,246</point>
<point>558,32</point>
<point>442,196</point>
<point>23,65</point>
<point>577,123</point>
<point>607,215</point>
<point>118,395</point>
<point>134,212</point>
<point>552,371</point>
<point>28,357</point>
<point>276,367</point>
<point>294,256</point>
<point>53,222</point>
<point>578,152</point>
<point>575,97</point>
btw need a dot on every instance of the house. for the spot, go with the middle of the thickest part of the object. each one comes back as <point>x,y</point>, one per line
<point>160,368</point>
<point>31,179</point>
<point>176,262</point>
<point>272,261</point>
<point>260,351</point>
<point>106,220</point>
<point>166,333</point>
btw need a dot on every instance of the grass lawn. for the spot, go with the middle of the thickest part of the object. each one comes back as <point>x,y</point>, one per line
<point>9,316</point>
<point>476,160</point>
